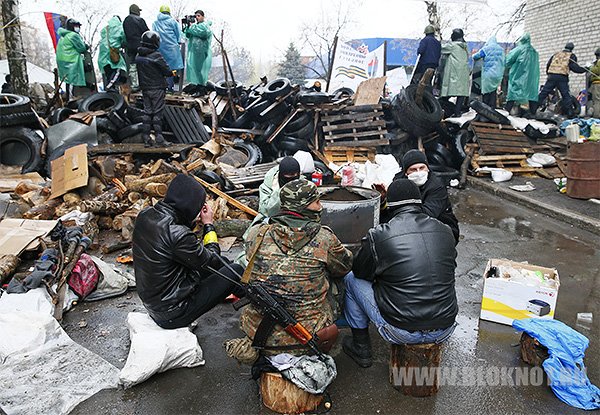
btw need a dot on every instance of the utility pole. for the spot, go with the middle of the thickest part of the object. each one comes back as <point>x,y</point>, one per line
<point>17,63</point>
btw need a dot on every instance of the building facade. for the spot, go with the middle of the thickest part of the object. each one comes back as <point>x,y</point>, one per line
<point>553,23</point>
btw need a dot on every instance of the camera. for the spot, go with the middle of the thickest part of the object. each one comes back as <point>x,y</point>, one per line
<point>188,20</point>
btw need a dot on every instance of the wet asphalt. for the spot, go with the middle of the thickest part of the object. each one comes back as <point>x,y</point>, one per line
<point>491,228</point>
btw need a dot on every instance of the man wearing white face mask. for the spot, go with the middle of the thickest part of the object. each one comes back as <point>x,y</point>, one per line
<point>433,192</point>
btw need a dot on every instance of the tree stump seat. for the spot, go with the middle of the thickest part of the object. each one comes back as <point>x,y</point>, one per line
<point>282,396</point>
<point>412,362</point>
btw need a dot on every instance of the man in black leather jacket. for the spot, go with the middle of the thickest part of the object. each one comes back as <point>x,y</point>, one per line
<point>433,192</point>
<point>170,261</point>
<point>402,279</point>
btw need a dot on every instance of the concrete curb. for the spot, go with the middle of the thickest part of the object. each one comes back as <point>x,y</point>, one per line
<point>581,221</point>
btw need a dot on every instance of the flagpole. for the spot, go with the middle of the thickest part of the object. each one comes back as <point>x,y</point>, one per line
<point>335,41</point>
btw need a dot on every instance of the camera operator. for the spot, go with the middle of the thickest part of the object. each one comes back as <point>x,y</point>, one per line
<point>199,54</point>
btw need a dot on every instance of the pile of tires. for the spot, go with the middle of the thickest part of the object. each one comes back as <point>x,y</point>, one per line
<point>489,114</point>
<point>21,139</point>
<point>417,120</point>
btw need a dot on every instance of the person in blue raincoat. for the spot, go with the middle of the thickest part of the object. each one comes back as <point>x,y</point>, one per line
<point>199,54</point>
<point>170,37</point>
<point>493,69</point>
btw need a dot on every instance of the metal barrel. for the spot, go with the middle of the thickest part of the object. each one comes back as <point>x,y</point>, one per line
<point>583,170</point>
<point>350,220</point>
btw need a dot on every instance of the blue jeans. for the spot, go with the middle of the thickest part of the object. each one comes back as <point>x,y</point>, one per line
<point>360,308</point>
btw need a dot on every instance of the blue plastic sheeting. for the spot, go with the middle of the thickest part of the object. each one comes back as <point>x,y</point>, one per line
<point>564,367</point>
<point>403,52</point>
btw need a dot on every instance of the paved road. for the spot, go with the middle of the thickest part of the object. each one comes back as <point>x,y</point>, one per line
<point>492,228</point>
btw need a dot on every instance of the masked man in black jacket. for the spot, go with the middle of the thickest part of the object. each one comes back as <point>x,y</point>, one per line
<point>170,262</point>
<point>433,192</point>
<point>152,70</point>
<point>402,279</point>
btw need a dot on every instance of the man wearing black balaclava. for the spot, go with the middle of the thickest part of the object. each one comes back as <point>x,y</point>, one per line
<point>170,261</point>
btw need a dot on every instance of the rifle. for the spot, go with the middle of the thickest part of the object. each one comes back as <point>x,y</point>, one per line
<point>273,313</point>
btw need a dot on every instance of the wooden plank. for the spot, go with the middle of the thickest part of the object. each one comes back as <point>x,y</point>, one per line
<point>357,116</point>
<point>356,136</point>
<point>495,158</point>
<point>503,142</point>
<point>136,148</point>
<point>506,150</point>
<point>496,131</point>
<point>369,91</point>
<point>362,143</point>
<point>354,125</point>
<point>363,108</point>
<point>225,196</point>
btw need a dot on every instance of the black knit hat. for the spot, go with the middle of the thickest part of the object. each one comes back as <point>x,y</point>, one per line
<point>403,192</point>
<point>413,157</point>
<point>289,166</point>
<point>187,197</point>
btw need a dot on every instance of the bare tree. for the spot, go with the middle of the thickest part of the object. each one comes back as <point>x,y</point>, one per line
<point>434,17</point>
<point>91,15</point>
<point>515,19</point>
<point>38,49</point>
<point>181,8</point>
<point>17,62</point>
<point>318,36</point>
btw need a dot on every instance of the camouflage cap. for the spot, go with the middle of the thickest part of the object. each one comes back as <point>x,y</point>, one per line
<point>298,194</point>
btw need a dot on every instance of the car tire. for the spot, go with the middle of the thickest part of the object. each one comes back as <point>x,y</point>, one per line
<point>19,119</point>
<point>104,125</point>
<point>135,114</point>
<point>276,114</point>
<point>130,130</point>
<point>15,110</point>
<point>342,93</point>
<point>489,113</point>
<point>444,173</point>
<point>21,146</point>
<point>252,150</point>
<point>305,132</point>
<point>313,97</point>
<point>277,88</point>
<point>210,177</point>
<point>243,121</point>
<point>299,121</point>
<point>221,88</point>
<point>119,121</point>
<point>289,145</point>
<point>107,101</point>
<point>412,118</point>
<point>60,114</point>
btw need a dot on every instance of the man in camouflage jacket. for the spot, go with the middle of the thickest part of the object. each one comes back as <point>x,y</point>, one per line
<point>294,262</point>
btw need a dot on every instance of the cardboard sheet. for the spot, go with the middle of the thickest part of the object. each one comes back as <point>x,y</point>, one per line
<point>69,171</point>
<point>16,235</point>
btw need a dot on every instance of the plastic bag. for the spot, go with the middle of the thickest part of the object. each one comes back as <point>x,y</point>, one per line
<point>155,350</point>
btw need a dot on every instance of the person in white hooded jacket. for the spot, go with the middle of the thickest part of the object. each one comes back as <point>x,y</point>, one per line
<point>433,192</point>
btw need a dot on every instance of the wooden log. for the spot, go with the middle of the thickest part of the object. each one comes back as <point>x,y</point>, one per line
<point>105,207</point>
<point>95,186</point>
<point>123,168</point>
<point>406,358</point>
<point>8,265</point>
<point>25,187</point>
<point>105,222</point>
<point>117,223</point>
<point>532,351</point>
<point>140,184</point>
<point>134,197</point>
<point>156,189</point>
<point>45,211</point>
<point>225,196</point>
<point>111,195</point>
<point>127,228</point>
<point>71,199</point>
<point>282,396</point>
<point>108,248</point>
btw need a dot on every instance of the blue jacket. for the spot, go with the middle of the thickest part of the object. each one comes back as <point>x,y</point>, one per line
<point>170,36</point>
<point>430,50</point>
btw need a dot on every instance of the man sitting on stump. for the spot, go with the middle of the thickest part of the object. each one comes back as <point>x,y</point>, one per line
<point>293,257</point>
<point>170,262</point>
<point>403,279</point>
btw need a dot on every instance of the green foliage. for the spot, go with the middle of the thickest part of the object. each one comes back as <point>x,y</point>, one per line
<point>292,67</point>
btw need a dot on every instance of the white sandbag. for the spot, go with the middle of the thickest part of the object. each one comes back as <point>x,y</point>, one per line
<point>37,300</point>
<point>43,371</point>
<point>155,350</point>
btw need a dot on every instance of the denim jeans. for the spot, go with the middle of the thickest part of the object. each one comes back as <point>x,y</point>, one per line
<point>361,308</point>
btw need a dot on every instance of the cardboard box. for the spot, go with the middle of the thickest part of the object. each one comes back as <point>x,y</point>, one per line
<point>16,235</point>
<point>504,300</point>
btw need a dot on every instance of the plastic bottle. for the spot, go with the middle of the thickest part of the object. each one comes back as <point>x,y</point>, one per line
<point>348,176</point>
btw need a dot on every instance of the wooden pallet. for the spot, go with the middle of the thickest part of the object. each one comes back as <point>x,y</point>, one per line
<point>342,155</point>
<point>354,126</point>
<point>504,140</point>
<point>516,163</point>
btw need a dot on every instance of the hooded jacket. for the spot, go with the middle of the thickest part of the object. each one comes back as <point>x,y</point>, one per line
<point>112,35</point>
<point>429,51</point>
<point>294,263</point>
<point>199,53</point>
<point>152,69</point>
<point>455,82</point>
<point>69,59</point>
<point>523,63</point>
<point>411,260</point>
<point>170,37</point>
<point>169,259</point>
<point>134,26</point>
<point>493,65</point>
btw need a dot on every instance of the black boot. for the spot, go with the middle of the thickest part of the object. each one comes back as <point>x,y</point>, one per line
<point>358,347</point>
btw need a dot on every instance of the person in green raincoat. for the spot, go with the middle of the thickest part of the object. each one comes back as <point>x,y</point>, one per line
<point>493,70</point>
<point>523,63</point>
<point>113,66</point>
<point>69,59</point>
<point>455,81</point>
<point>199,54</point>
